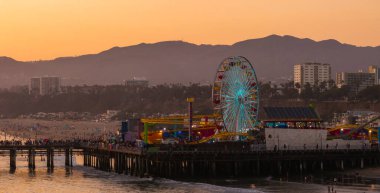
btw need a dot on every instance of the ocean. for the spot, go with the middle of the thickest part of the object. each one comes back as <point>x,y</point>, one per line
<point>85,179</point>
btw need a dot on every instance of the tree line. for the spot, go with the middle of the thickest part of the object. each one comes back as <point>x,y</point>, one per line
<point>163,99</point>
<point>325,91</point>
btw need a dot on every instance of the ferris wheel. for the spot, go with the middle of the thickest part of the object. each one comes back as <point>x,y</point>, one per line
<point>235,94</point>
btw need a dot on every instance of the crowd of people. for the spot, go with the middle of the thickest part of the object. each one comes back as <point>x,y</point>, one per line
<point>110,144</point>
<point>10,142</point>
<point>38,142</point>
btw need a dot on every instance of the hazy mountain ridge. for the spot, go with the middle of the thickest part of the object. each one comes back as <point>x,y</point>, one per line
<point>178,61</point>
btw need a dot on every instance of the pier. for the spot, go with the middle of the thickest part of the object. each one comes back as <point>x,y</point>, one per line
<point>214,163</point>
<point>218,160</point>
<point>202,160</point>
<point>31,151</point>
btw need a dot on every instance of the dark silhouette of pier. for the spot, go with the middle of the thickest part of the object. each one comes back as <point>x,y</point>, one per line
<point>202,160</point>
<point>217,160</point>
<point>32,151</point>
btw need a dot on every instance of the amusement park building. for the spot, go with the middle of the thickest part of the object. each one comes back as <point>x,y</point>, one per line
<point>292,128</point>
<point>312,73</point>
<point>285,117</point>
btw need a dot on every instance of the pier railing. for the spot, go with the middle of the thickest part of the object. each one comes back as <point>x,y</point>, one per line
<point>216,147</point>
<point>246,148</point>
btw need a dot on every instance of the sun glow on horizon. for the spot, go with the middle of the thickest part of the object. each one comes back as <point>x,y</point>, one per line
<point>45,29</point>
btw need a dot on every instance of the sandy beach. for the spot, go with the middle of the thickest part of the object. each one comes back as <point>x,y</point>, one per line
<point>56,130</point>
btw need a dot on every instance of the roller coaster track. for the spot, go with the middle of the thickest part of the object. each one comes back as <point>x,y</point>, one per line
<point>177,120</point>
<point>369,122</point>
<point>220,135</point>
<point>362,126</point>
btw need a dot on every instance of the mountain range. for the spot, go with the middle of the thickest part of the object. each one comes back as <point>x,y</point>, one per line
<point>273,58</point>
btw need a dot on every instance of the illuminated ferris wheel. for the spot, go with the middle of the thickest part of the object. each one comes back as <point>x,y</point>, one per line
<point>235,94</point>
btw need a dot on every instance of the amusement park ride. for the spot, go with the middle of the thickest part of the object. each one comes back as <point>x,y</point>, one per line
<point>352,131</point>
<point>235,96</point>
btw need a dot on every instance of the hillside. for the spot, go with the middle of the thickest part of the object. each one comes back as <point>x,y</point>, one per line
<point>182,62</point>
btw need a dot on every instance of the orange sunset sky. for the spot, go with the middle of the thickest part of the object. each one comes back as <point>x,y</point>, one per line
<point>45,29</point>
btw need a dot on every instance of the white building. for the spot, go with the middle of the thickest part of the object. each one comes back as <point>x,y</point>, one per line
<point>312,73</point>
<point>47,85</point>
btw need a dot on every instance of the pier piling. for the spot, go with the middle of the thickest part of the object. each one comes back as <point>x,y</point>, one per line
<point>12,159</point>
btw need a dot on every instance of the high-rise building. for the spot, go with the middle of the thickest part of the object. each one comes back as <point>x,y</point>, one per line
<point>50,85</point>
<point>376,71</point>
<point>312,73</point>
<point>34,87</point>
<point>47,85</point>
<point>357,81</point>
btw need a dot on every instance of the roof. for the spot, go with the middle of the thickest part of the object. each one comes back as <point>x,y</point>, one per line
<point>290,114</point>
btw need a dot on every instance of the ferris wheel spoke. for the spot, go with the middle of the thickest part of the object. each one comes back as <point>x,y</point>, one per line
<point>227,105</point>
<point>230,116</point>
<point>251,102</point>
<point>247,82</point>
<point>252,92</point>
<point>229,120</point>
<point>232,85</point>
<point>231,91</point>
<point>247,113</point>
<point>229,97</point>
<point>230,108</point>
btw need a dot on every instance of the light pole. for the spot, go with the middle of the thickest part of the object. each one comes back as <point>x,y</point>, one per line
<point>278,142</point>
<point>370,135</point>
<point>190,101</point>
<point>118,137</point>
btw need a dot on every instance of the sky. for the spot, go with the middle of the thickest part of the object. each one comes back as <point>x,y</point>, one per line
<point>46,29</point>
